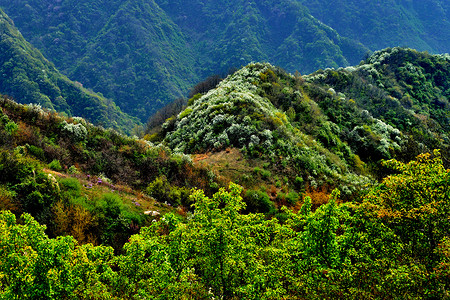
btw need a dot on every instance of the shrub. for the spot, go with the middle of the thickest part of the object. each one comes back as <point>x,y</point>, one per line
<point>36,151</point>
<point>55,165</point>
<point>258,201</point>
<point>292,198</point>
<point>77,132</point>
<point>73,170</point>
<point>70,186</point>
<point>163,191</point>
<point>11,127</point>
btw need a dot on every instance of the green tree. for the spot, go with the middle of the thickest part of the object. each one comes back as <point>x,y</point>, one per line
<point>416,203</point>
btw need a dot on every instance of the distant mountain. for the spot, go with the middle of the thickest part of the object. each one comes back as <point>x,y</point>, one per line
<point>418,24</point>
<point>30,78</point>
<point>144,54</point>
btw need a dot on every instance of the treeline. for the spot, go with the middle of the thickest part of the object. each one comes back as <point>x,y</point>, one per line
<point>393,243</point>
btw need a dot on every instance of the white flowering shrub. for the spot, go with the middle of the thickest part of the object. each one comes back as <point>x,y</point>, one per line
<point>77,132</point>
<point>378,137</point>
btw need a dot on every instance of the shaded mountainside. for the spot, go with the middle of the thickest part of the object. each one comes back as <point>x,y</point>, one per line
<point>418,24</point>
<point>30,78</point>
<point>329,128</point>
<point>144,54</point>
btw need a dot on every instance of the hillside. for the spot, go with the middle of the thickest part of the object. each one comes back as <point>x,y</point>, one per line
<point>422,25</point>
<point>30,78</point>
<point>407,89</point>
<point>86,181</point>
<point>324,130</point>
<point>144,54</point>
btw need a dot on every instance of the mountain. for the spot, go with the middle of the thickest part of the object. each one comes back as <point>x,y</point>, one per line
<point>30,78</point>
<point>328,129</point>
<point>422,25</point>
<point>144,54</point>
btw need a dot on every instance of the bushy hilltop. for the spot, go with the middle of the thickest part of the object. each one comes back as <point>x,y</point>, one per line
<point>407,89</point>
<point>265,112</point>
<point>30,78</point>
<point>330,128</point>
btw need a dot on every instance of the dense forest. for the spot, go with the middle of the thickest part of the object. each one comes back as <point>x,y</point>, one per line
<point>144,54</point>
<point>392,244</point>
<point>249,180</point>
<point>30,78</point>
<point>264,185</point>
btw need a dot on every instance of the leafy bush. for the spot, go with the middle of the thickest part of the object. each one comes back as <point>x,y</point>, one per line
<point>163,191</point>
<point>258,201</point>
<point>55,165</point>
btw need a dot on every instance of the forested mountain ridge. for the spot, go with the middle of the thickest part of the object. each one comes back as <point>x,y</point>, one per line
<point>327,129</point>
<point>418,24</point>
<point>144,54</point>
<point>405,88</point>
<point>30,78</point>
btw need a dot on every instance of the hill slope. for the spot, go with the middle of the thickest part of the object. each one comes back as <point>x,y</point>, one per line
<point>30,78</point>
<point>329,128</point>
<point>422,25</point>
<point>144,54</point>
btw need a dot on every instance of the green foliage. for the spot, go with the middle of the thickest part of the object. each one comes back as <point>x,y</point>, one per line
<point>55,165</point>
<point>292,198</point>
<point>30,78</point>
<point>417,200</point>
<point>11,127</point>
<point>163,191</point>
<point>258,201</point>
<point>71,186</point>
<point>34,266</point>
<point>397,105</point>
<point>380,248</point>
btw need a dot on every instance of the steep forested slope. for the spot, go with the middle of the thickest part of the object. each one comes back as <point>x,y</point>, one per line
<point>146,53</point>
<point>418,24</point>
<point>30,78</point>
